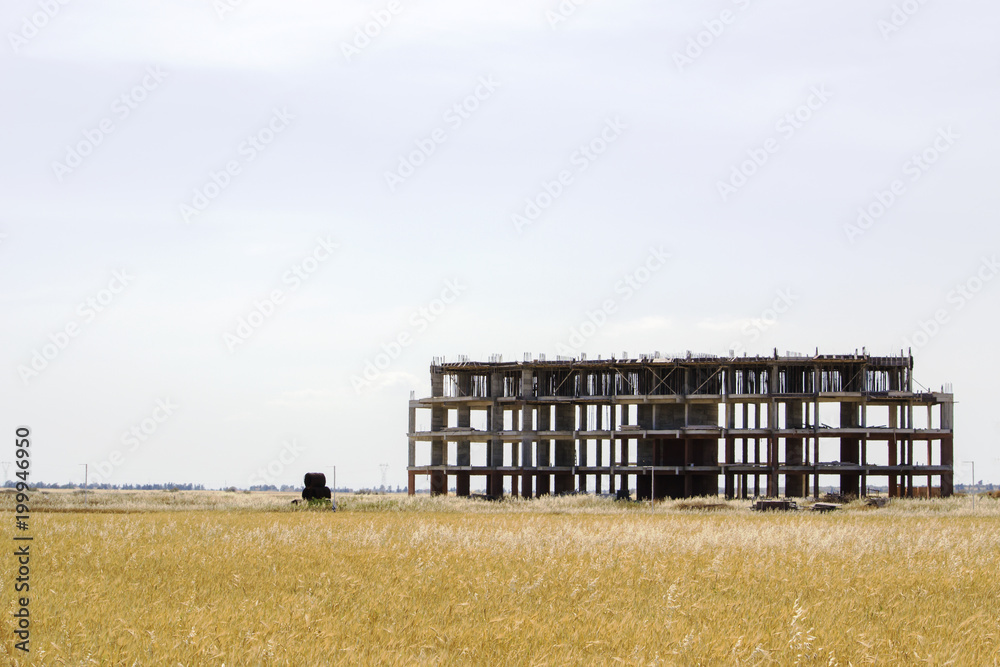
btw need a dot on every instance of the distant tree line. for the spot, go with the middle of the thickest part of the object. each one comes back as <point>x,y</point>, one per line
<point>173,486</point>
<point>169,486</point>
<point>292,487</point>
<point>339,489</point>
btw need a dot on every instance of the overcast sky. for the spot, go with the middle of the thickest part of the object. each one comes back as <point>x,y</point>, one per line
<point>215,215</point>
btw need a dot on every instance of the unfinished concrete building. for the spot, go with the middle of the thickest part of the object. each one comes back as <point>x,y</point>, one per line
<point>670,427</point>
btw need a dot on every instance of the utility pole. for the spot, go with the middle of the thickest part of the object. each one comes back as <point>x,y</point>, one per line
<point>333,488</point>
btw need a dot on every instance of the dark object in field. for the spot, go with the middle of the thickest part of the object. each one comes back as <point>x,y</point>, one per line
<point>316,493</point>
<point>315,479</point>
<point>824,507</point>
<point>877,501</point>
<point>701,505</point>
<point>775,506</point>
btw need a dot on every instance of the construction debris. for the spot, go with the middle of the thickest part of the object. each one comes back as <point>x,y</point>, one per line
<point>824,507</point>
<point>775,506</point>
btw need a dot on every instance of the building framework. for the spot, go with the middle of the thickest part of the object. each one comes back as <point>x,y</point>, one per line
<point>670,427</point>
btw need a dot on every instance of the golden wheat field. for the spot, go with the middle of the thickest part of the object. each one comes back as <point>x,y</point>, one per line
<point>153,578</point>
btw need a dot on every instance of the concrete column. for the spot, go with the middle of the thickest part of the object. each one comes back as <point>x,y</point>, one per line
<point>815,427</point>
<point>543,480</point>
<point>863,449</point>
<point>730,478</point>
<point>746,451</point>
<point>612,451</point>
<point>411,454</point>
<point>438,453</point>
<point>439,478</point>
<point>494,447</point>
<point>464,454</point>
<point>494,479</point>
<point>439,415</point>
<point>439,449</point>
<point>815,459</point>
<point>794,482</point>
<point>947,459</point>
<point>893,447</point>
<point>645,452</point>
<point>850,450</point>
<point>947,418</point>
<point>688,456</point>
<point>565,456</point>
<point>599,448</point>
<point>581,447</point>
<point>527,444</point>
<point>527,432</point>
<point>756,448</point>
<point>622,456</point>
<point>909,463</point>
<point>772,441</point>
<point>947,413</point>
<point>930,460</point>
<point>909,451</point>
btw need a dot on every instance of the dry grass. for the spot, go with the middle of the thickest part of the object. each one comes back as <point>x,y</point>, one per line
<point>560,581</point>
<point>57,500</point>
